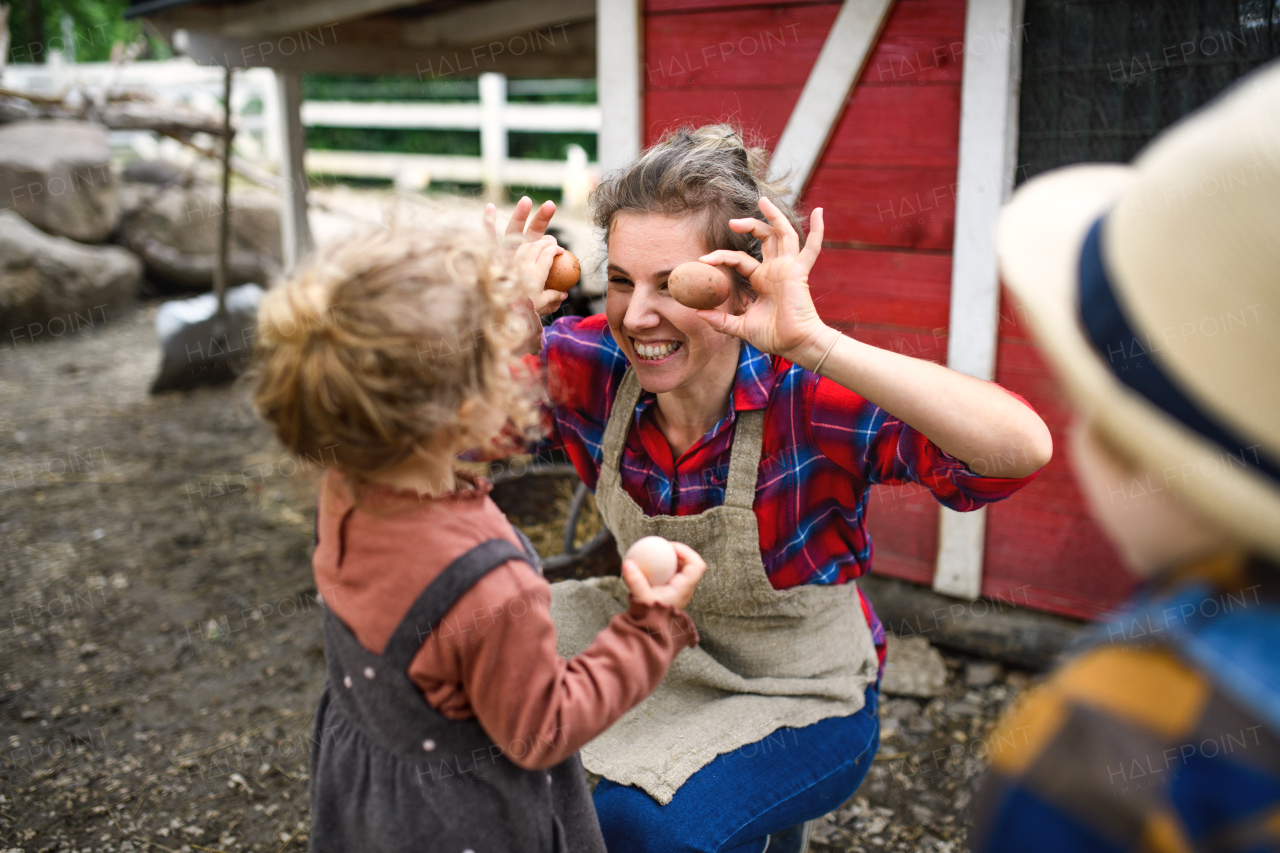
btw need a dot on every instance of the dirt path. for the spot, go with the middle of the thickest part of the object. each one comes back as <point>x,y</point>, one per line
<point>160,633</point>
<point>160,643</point>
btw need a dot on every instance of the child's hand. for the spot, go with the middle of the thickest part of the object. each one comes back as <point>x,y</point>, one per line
<point>678,591</point>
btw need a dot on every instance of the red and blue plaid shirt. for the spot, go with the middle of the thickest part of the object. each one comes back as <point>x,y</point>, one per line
<point>824,447</point>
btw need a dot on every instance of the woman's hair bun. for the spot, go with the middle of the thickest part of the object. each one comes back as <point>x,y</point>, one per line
<point>710,174</point>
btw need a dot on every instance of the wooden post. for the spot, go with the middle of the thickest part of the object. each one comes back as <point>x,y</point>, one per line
<point>224,221</point>
<point>295,231</point>
<point>619,47</point>
<point>988,160</point>
<point>493,134</point>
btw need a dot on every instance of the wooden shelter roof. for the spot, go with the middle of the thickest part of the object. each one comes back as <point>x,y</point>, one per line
<point>434,40</point>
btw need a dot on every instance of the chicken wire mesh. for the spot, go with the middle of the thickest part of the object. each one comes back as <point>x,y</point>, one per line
<point>1100,78</point>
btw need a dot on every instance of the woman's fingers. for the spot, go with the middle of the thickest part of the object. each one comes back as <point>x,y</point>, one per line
<point>490,220</point>
<point>740,261</point>
<point>547,301</point>
<point>750,225</point>
<point>515,225</point>
<point>781,226</point>
<point>541,219</point>
<point>547,251</point>
<point>729,324</point>
<point>813,246</point>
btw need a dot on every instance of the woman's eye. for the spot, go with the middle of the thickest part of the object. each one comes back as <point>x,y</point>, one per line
<point>620,282</point>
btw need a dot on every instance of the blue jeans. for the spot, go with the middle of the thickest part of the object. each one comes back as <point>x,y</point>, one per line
<point>733,803</point>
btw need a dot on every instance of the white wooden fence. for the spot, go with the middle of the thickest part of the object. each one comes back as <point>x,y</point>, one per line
<point>260,134</point>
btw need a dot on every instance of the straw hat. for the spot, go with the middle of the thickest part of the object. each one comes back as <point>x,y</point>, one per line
<point>1155,290</point>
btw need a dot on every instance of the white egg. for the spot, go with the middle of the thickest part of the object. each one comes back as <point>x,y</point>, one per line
<point>655,557</point>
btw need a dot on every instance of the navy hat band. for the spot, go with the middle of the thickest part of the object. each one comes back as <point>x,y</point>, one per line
<point>1132,363</point>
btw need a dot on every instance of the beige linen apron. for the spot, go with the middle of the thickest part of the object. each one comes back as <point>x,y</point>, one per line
<point>766,658</point>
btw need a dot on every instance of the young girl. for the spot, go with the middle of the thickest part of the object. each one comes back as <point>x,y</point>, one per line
<point>448,721</point>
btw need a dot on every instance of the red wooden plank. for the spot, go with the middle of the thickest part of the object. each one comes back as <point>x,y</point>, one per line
<point>882,287</point>
<point>922,42</point>
<point>897,126</point>
<point>761,112</point>
<point>777,45</point>
<point>1061,562</point>
<point>903,524</point>
<point>1044,536</point>
<point>881,125</point>
<point>725,7</point>
<point>1013,319</point>
<point>910,208</point>
<point>929,344</point>
<point>765,46</point>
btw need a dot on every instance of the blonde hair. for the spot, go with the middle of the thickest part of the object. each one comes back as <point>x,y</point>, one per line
<point>370,350</point>
<point>707,173</point>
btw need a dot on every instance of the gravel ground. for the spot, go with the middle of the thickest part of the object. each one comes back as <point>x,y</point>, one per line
<point>916,796</point>
<point>160,647</point>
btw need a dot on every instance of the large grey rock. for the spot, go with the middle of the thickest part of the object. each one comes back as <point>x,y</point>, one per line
<point>174,229</point>
<point>912,667</point>
<point>158,172</point>
<point>51,285</point>
<point>57,174</point>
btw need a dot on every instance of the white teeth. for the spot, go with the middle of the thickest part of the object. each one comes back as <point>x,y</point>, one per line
<point>656,351</point>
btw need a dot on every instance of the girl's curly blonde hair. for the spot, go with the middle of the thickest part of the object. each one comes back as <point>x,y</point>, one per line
<point>369,351</point>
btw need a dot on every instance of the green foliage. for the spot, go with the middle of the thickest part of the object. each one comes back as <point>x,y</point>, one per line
<point>364,87</point>
<point>464,143</point>
<point>35,28</point>
<point>549,146</point>
<point>537,194</point>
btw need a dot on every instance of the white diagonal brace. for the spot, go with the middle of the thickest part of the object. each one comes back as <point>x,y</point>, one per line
<point>988,158</point>
<point>844,53</point>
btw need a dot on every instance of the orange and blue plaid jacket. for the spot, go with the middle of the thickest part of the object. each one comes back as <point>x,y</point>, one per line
<point>1163,736</point>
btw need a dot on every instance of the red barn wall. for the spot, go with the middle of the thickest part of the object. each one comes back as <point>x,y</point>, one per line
<point>886,183</point>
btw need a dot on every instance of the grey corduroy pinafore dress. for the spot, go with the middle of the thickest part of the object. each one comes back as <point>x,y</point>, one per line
<point>390,774</point>
<point>766,658</point>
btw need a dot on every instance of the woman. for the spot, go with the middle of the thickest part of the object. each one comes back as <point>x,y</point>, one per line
<point>753,433</point>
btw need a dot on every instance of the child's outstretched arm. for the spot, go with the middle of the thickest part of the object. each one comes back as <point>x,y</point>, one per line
<point>536,706</point>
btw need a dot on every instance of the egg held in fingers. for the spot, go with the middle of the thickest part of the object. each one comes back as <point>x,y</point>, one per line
<point>656,558</point>
<point>565,272</point>
<point>699,285</point>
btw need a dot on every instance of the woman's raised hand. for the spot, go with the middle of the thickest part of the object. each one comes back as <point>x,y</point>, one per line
<point>520,232</point>
<point>782,320</point>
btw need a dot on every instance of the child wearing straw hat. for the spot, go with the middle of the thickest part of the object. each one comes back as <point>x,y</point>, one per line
<point>1155,290</point>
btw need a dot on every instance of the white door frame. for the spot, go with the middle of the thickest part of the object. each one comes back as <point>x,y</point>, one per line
<point>988,162</point>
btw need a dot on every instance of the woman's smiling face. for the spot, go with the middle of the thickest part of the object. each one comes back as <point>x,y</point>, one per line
<point>666,342</point>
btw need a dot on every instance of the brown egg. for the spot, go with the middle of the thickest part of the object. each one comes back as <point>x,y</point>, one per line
<point>565,272</point>
<point>699,285</point>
